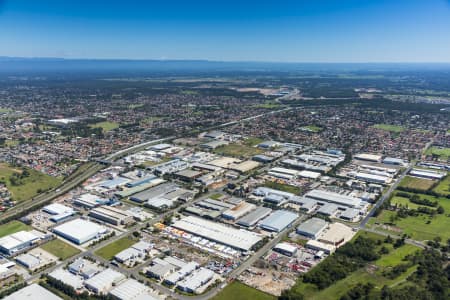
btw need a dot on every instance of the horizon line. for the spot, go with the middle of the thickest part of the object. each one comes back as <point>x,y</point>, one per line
<point>2,57</point>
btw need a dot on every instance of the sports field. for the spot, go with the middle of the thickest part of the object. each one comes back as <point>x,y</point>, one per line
<point>390,128</point>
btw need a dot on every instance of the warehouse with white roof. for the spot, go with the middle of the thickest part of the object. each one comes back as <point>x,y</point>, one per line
<point>104,281</point>
<point>16,242</point>
<point>31,292</point>
<point>131,289</point>
<point>235,238</point>
<point>79,231</point>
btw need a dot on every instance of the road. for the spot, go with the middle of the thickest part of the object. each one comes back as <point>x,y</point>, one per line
<point>385,196</point>
<point>76,180</point>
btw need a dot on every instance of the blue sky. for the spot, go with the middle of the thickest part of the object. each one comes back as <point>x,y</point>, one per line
<point>283,30</point>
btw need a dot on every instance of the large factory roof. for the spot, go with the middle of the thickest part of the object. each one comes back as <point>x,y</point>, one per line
<point>34,291</point>
<point>239,239</point>
<point>253,217</point>
<point>322,195</point>
<point>312,227</point>
<point>278,220</point>
<point>79,229</point>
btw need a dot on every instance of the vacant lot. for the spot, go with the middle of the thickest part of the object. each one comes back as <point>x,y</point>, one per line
<point>390,128</point>
<point>443,153</point>
<point>240,291</point>
<point>421,227</point>
<point>60,249</point>
<point>106,125</point>
<point>283,187</point>
<point>12,227</point>
<point>112,249</point>
<point>417,183</point>
<point>238,150</point>
<point>373,273</point>
<point>444,186</point>
<point>29,186</point>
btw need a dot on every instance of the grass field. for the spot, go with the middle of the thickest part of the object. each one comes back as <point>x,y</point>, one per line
<point>238,150</point>
<point>31,184</point>
<point>112,249</point>
<point>443,153</point>
<point>390,128</point>
<point>216,196</point>
<point>12,227</point>
<point>106,125</point>
<point>417,183</point>
<point>252,141</point>
<point>60,249</point>
<point>403,202</point>
<point>240,291</point>
<point>417,227</point>
<point>283,187</point>
<point>312,128</point>
<point>364,275</point>
<point>444,186</point>
<point>4,110</point>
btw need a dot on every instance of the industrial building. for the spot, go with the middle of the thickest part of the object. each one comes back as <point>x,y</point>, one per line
<point>184,271</point>
<point>374,178</point>
<point>337,234</point>
<point>188,175</point>
<point>278,220</point>
<point>254,217</point>
<point>245,166</point>
<point>213,145</point>
<point>154,192</point>
<point>393,161</point>
<point>138,250</point>
<point>322,197</point>
<point>131,289</point>
<point>198,279</point>
<point>103,282</point>
<point>428,174</point>
<point>90,201</point>
<point>368,157</point>
<point>31,292</point>
<point>238,239</point>
<point>79,231</point>
<point>312,228</point>
<point>319,246</point>
<point>350,214</point>
<point>328,209</point>
<point>273,196</point>
<point>285,249</point>
<point>238,211</point>
<point>263,158</point>
<point>111,215</point>
<point>19,241</point>
<point>76,282</point>
<point>169,167</point>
